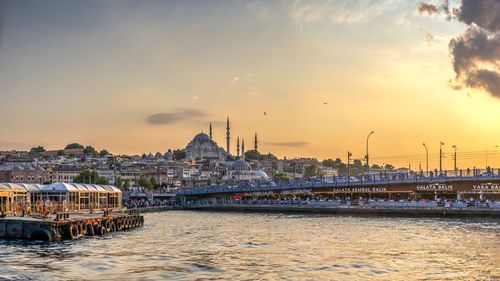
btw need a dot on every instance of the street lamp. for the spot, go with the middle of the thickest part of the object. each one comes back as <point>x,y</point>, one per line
<point>349,154</point>
<point>367,155</point>
<point>455,157</point>
<point>441,157</point>
<point>426,158</point>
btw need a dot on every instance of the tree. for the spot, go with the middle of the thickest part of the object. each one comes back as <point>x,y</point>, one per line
<point>179,154</point>
<point>230,158</point>
<point>126,184</point>
<point>152,181</point>
<point>389,167</point>
<point>145,183</point>
<point>90,177</point>
<point>256,155</point>
<point>89,151</point>
<point>280,176</point>
<point>309,171</point>
<point>60,152</point>
<point>336,164</point>
<point>252,154</point>
<point>37,150</point>
<point>119,182</point>
<point>103,153</point>
<point>74,146</point>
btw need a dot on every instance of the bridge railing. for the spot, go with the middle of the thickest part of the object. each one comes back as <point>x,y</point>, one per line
<point>348,204</point>
<point>379,178</point>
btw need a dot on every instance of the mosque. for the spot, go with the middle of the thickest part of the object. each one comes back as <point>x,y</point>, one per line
<point>204,147</point>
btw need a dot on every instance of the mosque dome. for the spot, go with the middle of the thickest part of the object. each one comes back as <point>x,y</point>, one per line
<point>201,137</point>
<point>241,165</point>
<point>261,174</point>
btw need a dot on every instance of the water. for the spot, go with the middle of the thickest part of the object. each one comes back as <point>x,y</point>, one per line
<point>180,245</point>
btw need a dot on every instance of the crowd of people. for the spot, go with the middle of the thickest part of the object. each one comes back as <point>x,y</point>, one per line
<point>135,203</point>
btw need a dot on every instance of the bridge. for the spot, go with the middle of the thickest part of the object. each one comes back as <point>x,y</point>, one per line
<point>473,183</point>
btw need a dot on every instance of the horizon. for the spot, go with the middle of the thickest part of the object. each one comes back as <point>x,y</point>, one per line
<point>136,78</point>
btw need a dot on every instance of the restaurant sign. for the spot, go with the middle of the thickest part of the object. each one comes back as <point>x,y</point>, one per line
<point>435,187</point>
<point>258,193</point>
<point>360,189</point>
<point>297,191</point>
<point>486,187</point>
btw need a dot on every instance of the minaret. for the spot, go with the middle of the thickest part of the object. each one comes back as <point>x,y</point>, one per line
<point>210,130</point>
<point>242,149</point>
<point>255,146</point>
<point>228,137</point>
<point>238,147</point>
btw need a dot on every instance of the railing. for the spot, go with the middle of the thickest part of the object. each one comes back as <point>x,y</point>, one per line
<point>365,180</point>
<point>349,204</point>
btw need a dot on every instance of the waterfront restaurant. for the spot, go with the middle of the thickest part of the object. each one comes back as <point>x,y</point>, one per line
<point>12,197</point>
<point>459,191</point>
<point>81,197</point>
<point>58,197</point>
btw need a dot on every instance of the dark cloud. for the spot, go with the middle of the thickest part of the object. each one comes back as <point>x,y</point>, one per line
<point>486,80</point>
<point>427,9</point>
<point>289,144</point>
<point>476,53</point>
<point>476,59</point>
<point>430,9</point>
<point>473,48</point>
<point>445,7</point>
<point>176,115</point>
<point>483,13</point>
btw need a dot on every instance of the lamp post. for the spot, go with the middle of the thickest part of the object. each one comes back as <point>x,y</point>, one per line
<point>426,158</point>
<point>441,157</point>
<point>349,154</point>
<point>455,157</point>
<point>367,155</point>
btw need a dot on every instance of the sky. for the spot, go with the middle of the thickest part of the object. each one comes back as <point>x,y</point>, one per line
<point>146,76</point>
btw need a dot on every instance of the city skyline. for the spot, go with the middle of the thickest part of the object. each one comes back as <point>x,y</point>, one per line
<point>311,78</point>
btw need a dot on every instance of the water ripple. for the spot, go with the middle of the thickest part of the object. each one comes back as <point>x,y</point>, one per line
<point>236,246</point>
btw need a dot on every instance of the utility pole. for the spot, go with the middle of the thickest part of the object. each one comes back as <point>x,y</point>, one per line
<point>367,155</point>
<point>441,157</point>
<point>426,158</point>
<point>349,154</point>
<point>455,157</point>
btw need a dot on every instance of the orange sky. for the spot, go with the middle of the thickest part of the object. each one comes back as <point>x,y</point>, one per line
<point>94,72</point>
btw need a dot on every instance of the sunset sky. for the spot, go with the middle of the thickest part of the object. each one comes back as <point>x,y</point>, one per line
<point>99,72</point>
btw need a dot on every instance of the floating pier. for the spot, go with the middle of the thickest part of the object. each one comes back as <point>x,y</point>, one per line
<point>65,226</point>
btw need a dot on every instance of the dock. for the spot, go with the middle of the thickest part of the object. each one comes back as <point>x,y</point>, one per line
<point>351,210</point>
<point>65,226</point>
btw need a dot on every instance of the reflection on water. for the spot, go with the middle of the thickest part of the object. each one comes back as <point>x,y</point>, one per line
<point>181,245</point>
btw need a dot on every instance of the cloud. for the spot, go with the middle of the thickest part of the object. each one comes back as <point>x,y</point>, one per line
<point>473,48</point>
<point>484,13</point>
<point>289,144</point>
<point>260,9</point>
<point>427,9</point>
<point>485,79</point>
<point>475,54</point>
<point>339,11</point>
<point>177,115</point>
<point>429,37</point>
<point>476,60</point>
<point>239,78</point>
<point>431,9</point>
